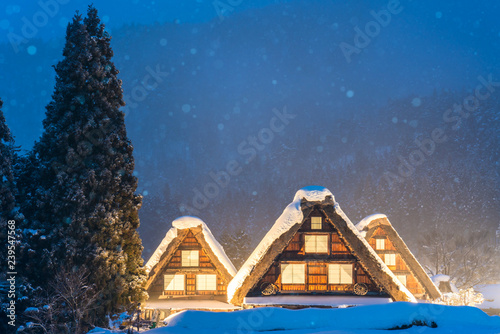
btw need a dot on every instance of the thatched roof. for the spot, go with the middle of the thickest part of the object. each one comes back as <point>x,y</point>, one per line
<point>369,225</point>
<point>174,237</point>
<point>290,222</point>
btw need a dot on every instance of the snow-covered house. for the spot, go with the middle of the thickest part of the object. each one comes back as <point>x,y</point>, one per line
<point>314,255</point>
<point>383,238</point>
<point>188,270</point>
<point>444,283</point>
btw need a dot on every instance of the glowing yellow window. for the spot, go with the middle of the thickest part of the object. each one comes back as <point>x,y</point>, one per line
<point>379,244</point>
<point>316,223</point>
<point>173,282</point>
<point>206,282</point>
<point>190,258</point>
<point>402,279</point>
<point>293,273</point>
<point>390,259</point>
<point>316,243</point>
<point>340,273</point>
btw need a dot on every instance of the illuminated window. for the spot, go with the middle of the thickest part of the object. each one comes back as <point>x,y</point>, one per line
<point>379,244</point>
<point>190,258</point>
<point>316,243</point>
<point>292,273</point>
<point>340,273</point>
<point>316,223</point>
<point>390,259</point>
<point>402,279</point>
<point>173,282</point>
<point>206,282</point>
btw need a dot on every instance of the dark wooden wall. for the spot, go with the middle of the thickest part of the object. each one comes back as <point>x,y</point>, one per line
<point>175,267</point>
<point>316,280</point>
<point>400,268</point>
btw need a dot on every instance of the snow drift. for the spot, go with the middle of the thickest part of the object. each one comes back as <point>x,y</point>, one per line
<point>374,317</point>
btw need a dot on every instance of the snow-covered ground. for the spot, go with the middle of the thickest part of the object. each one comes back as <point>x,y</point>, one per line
<point>182,304</point>
<point>333,301</point>
<point>369,319</point>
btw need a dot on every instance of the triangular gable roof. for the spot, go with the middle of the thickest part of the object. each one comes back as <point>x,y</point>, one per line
<point>174,237</point>
<point>289,223</point>
<point>369,225</point>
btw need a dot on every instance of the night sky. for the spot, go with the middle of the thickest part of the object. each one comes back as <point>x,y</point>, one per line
<point>224,74</point>
<point>115,13</point>
<point>468,32</point>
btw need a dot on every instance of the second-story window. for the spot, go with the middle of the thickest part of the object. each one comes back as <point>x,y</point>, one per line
<point>379,244</point>
<point>390,259</point>
<point>190,258</point>
<point>316,243</point>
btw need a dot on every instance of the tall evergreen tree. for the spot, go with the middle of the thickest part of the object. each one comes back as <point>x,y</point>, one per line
<point>7,211</point>
<point>82,204</point>
<point>7,186</point>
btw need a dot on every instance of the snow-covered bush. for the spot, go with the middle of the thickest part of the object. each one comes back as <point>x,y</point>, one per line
<point>466,297</point>
<point>453,296</point>
<point>468,256</point>
<point>116,320</point>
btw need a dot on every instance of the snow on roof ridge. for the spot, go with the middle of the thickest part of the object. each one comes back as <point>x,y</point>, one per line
<point>313,194</point>
<point>291,216</point>
<point>440,278</point>
<point>185,222</point>
<point>368,219</point>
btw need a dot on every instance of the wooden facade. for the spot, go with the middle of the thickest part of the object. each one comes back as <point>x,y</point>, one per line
<point>400,267</point>
<point>190,273</point>
<point>188,270</point>
<point>391,248</point>
<point>319,263</point>
<point>315,252</point>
